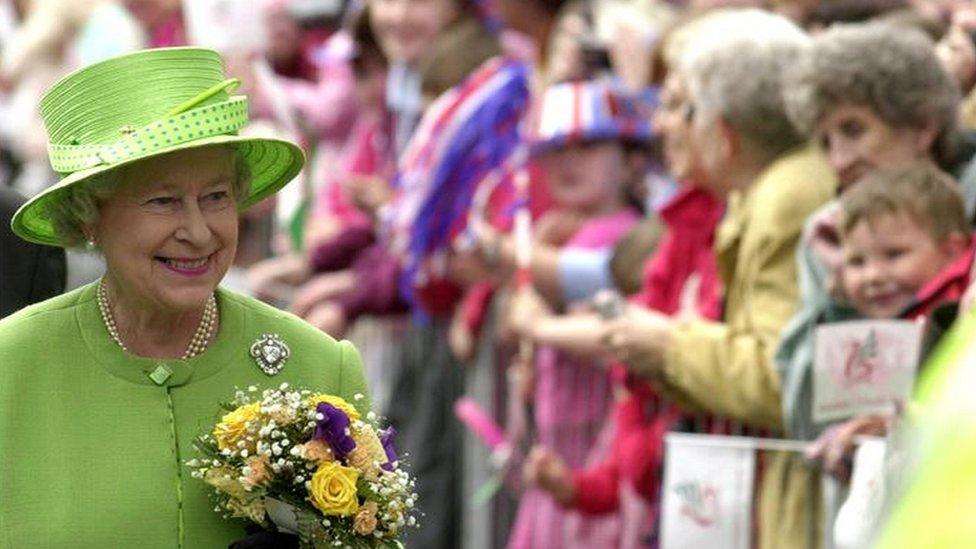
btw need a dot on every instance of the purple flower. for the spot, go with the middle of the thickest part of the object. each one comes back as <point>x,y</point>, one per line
<point>333,428</point>
<point>386,438</point>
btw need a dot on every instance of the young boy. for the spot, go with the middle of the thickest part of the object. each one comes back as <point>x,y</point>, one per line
<point>904,238</point>
<point>907,251</point>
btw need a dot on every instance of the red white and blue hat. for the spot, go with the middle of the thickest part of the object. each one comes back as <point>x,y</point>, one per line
<point>585,111</point>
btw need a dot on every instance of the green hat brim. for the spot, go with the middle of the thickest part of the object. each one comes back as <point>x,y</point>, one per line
<point>272,163</point>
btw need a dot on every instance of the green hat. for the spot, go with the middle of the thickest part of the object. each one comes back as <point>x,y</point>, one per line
<point>141,105</point>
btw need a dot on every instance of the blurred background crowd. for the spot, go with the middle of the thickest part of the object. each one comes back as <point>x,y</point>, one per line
<point>559,229</point>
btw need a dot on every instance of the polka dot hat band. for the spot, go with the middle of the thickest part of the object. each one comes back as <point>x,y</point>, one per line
<point>184,124</point>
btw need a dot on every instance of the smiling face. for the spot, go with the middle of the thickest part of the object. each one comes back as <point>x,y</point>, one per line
<point>406,29</point>
<point>858,142</point>
<point>888,259</point>
<point>169,233</point>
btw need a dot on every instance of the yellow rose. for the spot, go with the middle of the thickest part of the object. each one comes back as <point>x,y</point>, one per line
<point>233,426</point>
<point>333,489</point>
<point>225,479</point>
<point>365,522</point>
<point>338,402</point>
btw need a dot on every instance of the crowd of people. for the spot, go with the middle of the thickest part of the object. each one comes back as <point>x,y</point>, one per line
<point>600,220</point>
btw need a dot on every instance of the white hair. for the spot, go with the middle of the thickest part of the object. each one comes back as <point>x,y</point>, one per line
<point>734,68</point>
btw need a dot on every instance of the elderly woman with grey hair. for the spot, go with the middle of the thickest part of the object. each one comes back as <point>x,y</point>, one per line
<point>773,180</point>
<point>890,104</point>
<point>104,389</point>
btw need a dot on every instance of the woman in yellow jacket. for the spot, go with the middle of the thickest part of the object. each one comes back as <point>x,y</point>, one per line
<point>753,156</point>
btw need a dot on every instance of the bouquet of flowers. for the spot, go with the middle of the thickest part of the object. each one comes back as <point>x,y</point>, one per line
<point>308,463</point>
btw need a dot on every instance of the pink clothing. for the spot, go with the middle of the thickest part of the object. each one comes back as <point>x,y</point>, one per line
<point>169,33</point>
<point>627,481</point>
<point>572,400</point>
<point>327,107</point>
<point>604,232</point>
<point>369,152</point>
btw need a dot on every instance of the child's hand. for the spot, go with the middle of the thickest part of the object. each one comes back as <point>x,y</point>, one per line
<point>460,338</point>
<point>329,318</point>
<point>368,193</point>
<point>320,229</point>
<point>493,246</point>
<point>556,227</point>
<point>523,374</point>
<point>547,471</point>
<point>526,309</point>
<point>265,277</point>
<point>319,289</point>
<point>834,449</point>
<point>468,267</point>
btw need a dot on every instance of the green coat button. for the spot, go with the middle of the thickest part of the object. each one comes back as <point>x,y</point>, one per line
<point>160,374</point>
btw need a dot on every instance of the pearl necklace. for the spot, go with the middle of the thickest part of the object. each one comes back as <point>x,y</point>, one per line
<point>201,338</point>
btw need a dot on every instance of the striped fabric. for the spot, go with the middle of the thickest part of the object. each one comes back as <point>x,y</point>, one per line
<point>464,138</point>
<point>571,403</point>
<point>590,110</point>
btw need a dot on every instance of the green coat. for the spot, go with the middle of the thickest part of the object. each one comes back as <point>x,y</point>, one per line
<point>93,451</point>
<point>727,368</point>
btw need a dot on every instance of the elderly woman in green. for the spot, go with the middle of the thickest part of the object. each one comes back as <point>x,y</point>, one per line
<point>103,389</point>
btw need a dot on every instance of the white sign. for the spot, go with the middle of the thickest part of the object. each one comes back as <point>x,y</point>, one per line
<point>864,367</point>
<point>708,488</point>
<point>228,26</point>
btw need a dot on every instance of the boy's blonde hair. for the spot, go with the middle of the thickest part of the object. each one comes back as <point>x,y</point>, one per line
<point>921,190</point>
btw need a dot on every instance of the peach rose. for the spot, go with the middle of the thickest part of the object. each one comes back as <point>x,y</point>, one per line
<point>317,451</point>
<point>258,471</point>
<point>365,522</point>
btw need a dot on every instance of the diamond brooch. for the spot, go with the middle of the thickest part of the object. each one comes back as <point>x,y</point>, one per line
<point>271,353</point>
